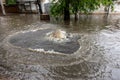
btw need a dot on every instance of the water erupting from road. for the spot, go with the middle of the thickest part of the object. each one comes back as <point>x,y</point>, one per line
<point>58,36</point>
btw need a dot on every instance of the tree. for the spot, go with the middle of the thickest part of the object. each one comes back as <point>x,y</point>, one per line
<point>67,7</point>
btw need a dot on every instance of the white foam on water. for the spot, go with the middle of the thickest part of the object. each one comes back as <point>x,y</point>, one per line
<point>32,30</point>
<point>57,40</point>
<point>26,31</point>
<point>62,36</point>
<point>44,51</point>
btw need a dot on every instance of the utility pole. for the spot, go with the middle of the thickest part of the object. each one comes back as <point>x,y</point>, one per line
<point>2,7</point>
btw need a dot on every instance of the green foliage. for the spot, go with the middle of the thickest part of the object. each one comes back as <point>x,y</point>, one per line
<point>84,6</point>
<point>11,2</point>
<point>57,8</point>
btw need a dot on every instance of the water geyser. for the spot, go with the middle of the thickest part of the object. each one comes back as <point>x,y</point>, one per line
<point>58,34</point>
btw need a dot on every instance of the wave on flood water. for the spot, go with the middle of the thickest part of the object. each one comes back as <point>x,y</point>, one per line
<point>39,41</point>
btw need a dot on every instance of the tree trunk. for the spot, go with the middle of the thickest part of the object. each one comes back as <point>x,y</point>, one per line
<point>3,9</point>
<point>76,16</point>
<point>39,5</point>
<point>66,11</point>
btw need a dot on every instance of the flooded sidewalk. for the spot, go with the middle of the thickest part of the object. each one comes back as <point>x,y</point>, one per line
<point>97,56</point>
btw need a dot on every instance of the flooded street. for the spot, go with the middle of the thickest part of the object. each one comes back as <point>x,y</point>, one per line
<point>26,55</point>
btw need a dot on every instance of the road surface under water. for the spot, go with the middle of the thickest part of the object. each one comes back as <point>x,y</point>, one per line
<point>98,57</point>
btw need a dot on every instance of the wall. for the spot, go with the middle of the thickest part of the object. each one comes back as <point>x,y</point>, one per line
<point>43,2</point>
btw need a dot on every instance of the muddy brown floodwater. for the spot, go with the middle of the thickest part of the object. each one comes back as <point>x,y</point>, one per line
<point>96,55</point>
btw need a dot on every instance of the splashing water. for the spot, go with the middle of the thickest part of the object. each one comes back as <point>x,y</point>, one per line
<point>58,36</point>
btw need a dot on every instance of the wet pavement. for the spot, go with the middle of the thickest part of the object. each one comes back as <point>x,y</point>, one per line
<point>98,57</point>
